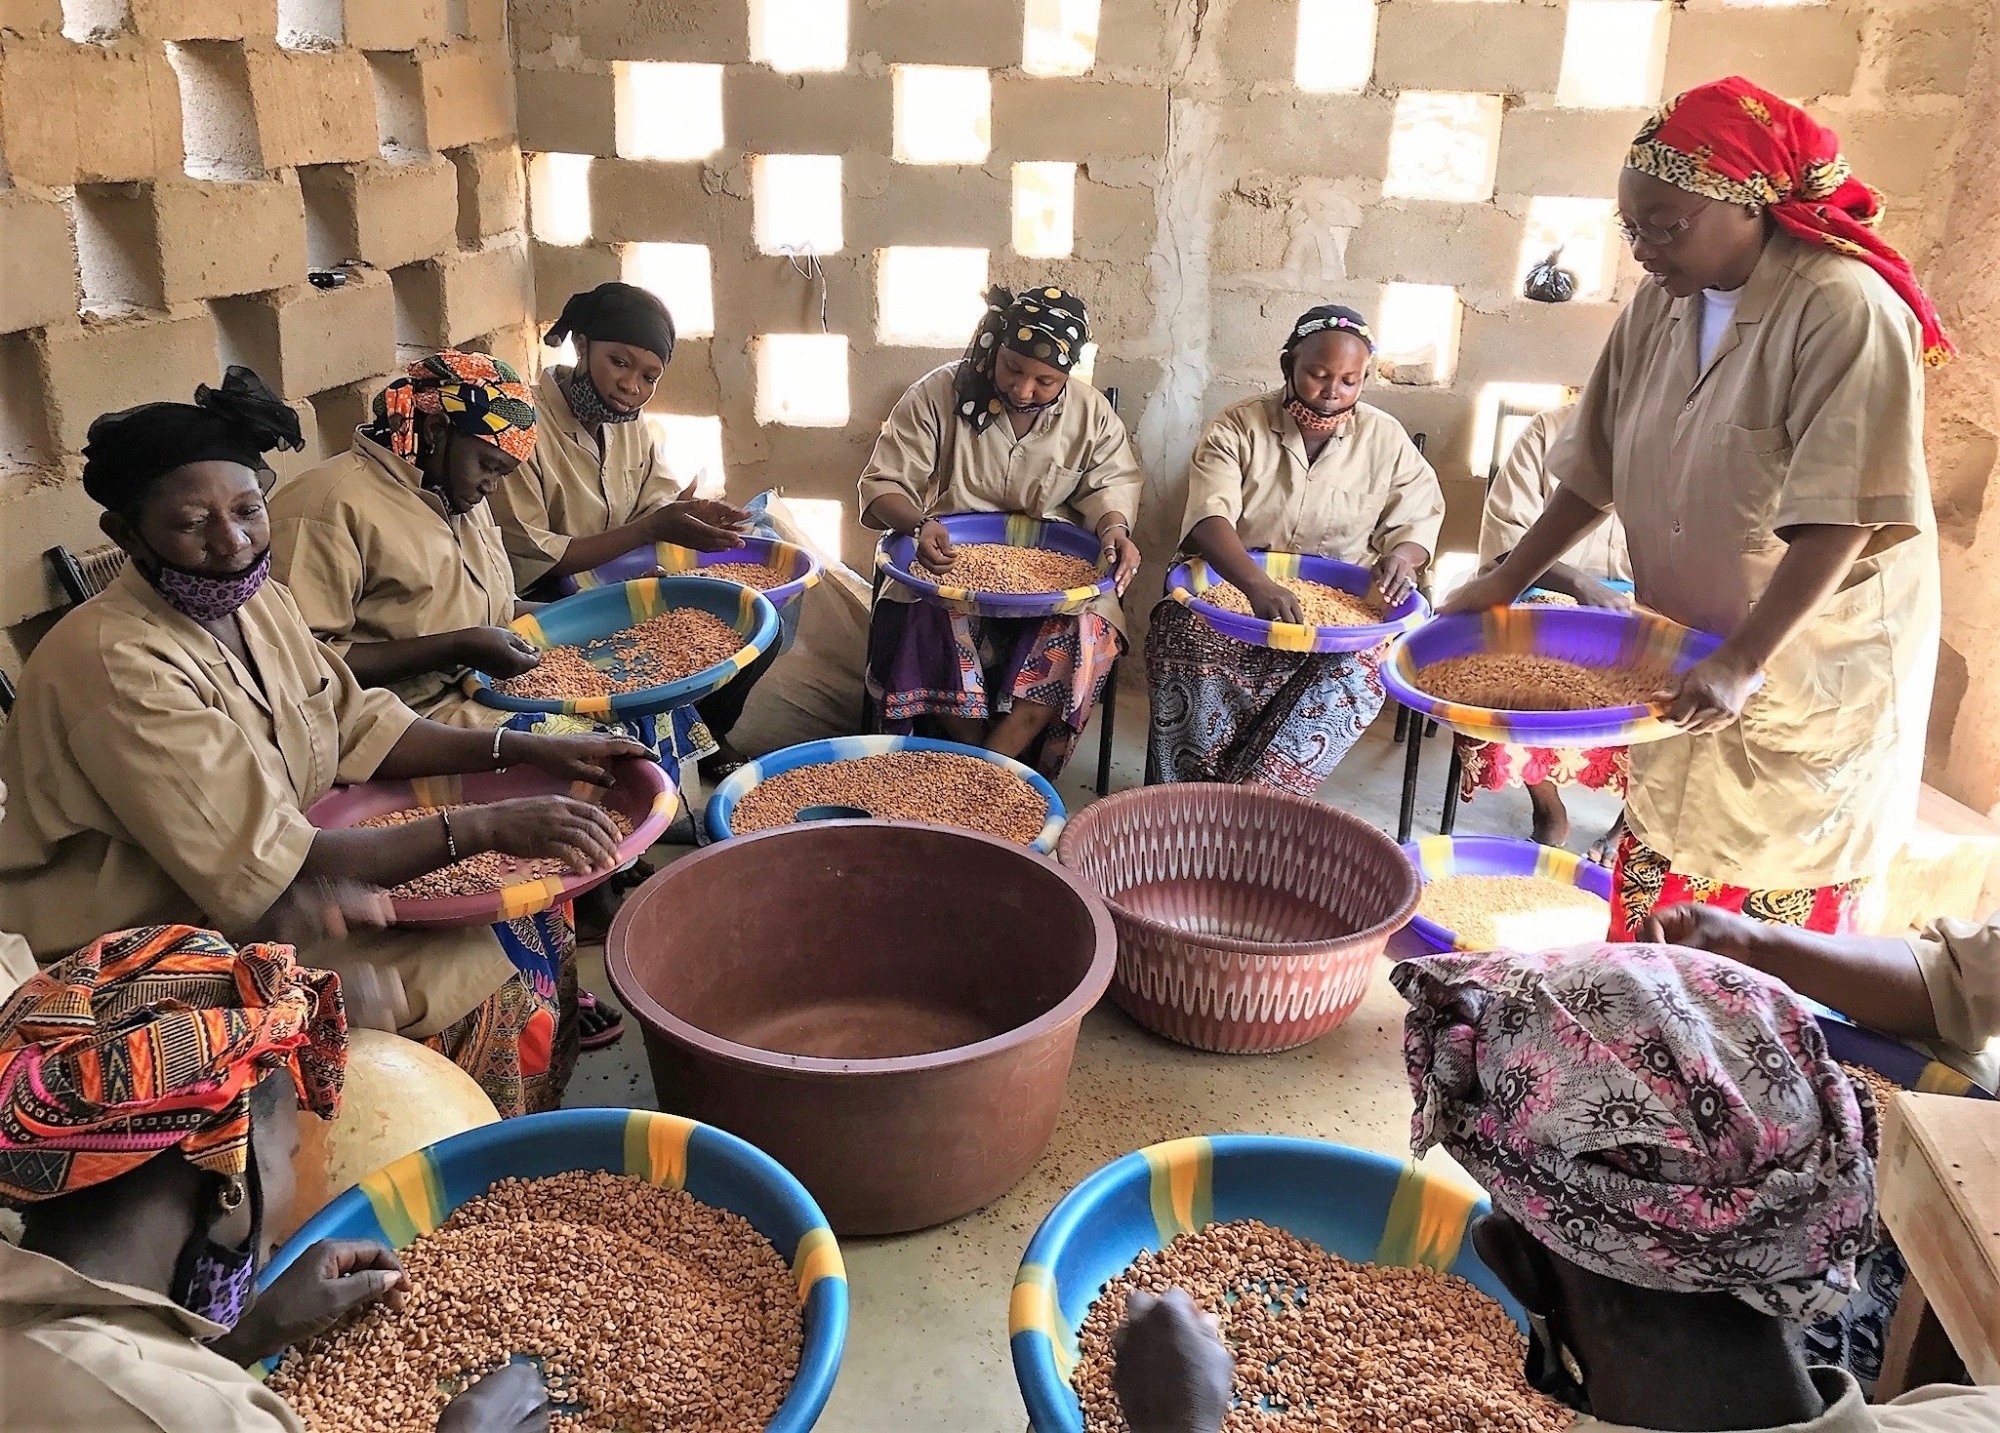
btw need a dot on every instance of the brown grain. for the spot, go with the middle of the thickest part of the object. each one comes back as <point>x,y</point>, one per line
<point>676,644</point>
<point>998,567</point>
<point>937,786</point>
<point>476,875</point>
<point>648,1311</point>
<point>1474,908</point>
<point>1523,682</point>
<point>1324,606</point>
<point>1326,1346</point>
<point>747,574</point>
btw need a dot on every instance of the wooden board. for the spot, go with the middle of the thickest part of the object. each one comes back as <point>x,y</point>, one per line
<point>1940,1196</point>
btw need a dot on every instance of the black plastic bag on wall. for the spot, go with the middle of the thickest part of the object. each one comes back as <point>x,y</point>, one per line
<point>1550,283</point>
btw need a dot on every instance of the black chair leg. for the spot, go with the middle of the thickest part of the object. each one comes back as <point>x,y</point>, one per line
<point>1412,763</point>
<point>1402,723</point>
<point>1448,822</point>
<point>1107,720</point>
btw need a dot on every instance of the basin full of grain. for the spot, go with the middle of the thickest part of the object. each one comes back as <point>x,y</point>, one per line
<point>1526,912</point>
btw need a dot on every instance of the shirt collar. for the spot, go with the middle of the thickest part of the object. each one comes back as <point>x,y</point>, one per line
<point>1846,1411</point>
<point>552,406</point>
<point>52,1288</point>
<point>1753,300</point>
<point>400,471</point>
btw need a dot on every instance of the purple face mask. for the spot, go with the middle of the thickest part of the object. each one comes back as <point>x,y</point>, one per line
<point>205,598</point>
<point>218,1282</point>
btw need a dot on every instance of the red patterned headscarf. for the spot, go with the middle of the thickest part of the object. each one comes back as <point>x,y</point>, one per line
<point>1730,140</point>
<point>479,394</point>
<point>152,1039</point>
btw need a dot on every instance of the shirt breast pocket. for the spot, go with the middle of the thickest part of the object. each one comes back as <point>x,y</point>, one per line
<point>1750,465</point>
<point>1050,491</point>
<point>314,768</point>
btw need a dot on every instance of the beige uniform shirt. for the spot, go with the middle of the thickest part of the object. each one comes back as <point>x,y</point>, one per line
<point>1809,411</point>
<point>371,555</point>
<point>1961,964</point>
<point>565,490</point>
<point>1368,491</point>
<point>1074,465</point>
<point>1523,487</point>
<point>77,1353</point>
<point>17,961</point>
<point>151,778</point>
<point>1940,1408</point>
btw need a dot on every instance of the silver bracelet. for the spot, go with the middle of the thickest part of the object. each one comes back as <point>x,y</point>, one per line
<point>498,732</point>
<point>450,841</point>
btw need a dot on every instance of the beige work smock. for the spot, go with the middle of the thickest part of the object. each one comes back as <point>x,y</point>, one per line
<point>1938,1408</point>
<point>566,490</point>
<point>17,961</point>
<point>88,1355</point>
<point>371,555</point>
<point>1960,960</point>
<point>152,779</point>
<point>1074,465</point>
<point>1368,491</point>
<point>1523,487</point>
<point>1809,411</point>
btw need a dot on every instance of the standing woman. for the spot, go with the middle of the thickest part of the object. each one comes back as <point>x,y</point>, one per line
<point>1306,468</point>
<point>1004,429</point>
<point>594,488</point>
<point>1756,420</point>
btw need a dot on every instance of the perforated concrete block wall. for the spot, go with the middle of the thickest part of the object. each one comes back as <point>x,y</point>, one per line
<point>170,172</point>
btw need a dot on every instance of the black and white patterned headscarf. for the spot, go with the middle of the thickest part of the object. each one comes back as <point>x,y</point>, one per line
<point>1047,324</point>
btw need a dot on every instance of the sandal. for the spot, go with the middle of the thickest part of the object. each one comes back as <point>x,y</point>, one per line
<point>601,1025</point>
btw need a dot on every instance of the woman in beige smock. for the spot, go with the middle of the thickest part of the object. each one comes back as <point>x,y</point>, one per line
<point>1307,468</point>
<point>172,732</point>
<point>1008,429</point>
<point>1756,420</point>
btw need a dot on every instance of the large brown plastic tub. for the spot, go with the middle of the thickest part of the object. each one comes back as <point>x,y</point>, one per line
<point>888,1009</point>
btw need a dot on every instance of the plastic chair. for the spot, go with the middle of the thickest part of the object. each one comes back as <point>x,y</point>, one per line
<point>83,576</point>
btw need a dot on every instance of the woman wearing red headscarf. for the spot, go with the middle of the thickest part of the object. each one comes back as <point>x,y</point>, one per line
<point>1756,420</point>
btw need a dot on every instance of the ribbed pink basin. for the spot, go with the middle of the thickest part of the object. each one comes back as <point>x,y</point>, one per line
<point>1248,919</point>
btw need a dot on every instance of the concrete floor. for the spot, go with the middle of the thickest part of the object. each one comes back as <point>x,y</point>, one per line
<point>927,1346</point>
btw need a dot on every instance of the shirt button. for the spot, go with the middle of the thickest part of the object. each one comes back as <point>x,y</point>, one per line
<point>1677,527</point>
<point>1688,407</point>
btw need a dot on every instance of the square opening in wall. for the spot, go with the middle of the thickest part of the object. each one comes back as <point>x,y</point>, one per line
<point>678,276</point>
<point>944,114</point>
<point>246,333</point>
<point>90,21</point>
<point>218,122</point>
<point>559,198</point>
<point>1044,209</point>
<point>692,449</point>
<point>1582,228</point>
<point>929,298</point>
<point>797,35</point>
<point>311,24</point>
<point>1443,146</point>
<point>1417,334</point>
<point>825,524</point>
<point>25,432</point>
<point>1336,53</point>
<point>419,308</point>
<point>400,130</point>
<point>1085,371</point>
<point>802,379</point>
<point>117,248</point>
<point>1522,401</point>
<point>796,203</point>
<point>666,111</point>
<point>1059,37</point>
<point>563,355</point>
<point>1614,54</point>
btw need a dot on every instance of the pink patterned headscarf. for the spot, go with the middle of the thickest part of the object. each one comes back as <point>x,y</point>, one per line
<point>1657,1115</point>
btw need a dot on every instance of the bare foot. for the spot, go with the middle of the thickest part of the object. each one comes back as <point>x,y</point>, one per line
<point>1551,819</point>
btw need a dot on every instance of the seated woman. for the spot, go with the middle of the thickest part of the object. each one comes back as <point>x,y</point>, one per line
<point>172,731</point>
<point>1515,498</point>
<point>1307,468</point>
<point>594,487</point>
<point>1004,429</point>
<point>150,1186</point>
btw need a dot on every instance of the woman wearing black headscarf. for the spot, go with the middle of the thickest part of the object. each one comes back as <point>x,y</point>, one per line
<point>1007,428</point>
<point>1308,468</point>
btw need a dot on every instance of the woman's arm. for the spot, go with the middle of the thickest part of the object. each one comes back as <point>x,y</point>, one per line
<point>893,511</point>
<point>1216,540</point>
<point>700,523</point>
<point>383,664</point>
<point>1566,518</point>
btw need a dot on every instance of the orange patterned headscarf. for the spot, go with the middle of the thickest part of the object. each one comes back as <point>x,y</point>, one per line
<point>1730,140</point>
<point>478,394</point>
<point>152,1039</point>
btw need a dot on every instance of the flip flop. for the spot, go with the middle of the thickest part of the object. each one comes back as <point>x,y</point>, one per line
<point>613,1029</point>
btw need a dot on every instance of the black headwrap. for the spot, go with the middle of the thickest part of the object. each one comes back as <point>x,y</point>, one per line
<point>1327,316</point>
<point>616,313</point>
<point>1046,324</point>
<point>126,452</point>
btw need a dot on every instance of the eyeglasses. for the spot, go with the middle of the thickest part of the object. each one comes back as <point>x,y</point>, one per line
<point>1659,238</point>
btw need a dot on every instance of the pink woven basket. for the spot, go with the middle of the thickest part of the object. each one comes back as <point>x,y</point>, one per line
<point>1248,919</point>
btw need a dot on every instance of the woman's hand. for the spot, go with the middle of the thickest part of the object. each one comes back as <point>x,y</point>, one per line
<point>584,757</point>
<point>1396,575</point>
<point>1480,594</point>
<point>1702,927</point>
<point>1121,555</point>
<point>496,651</point>
<point>319,1288</point>
<point>1275,602</point>
<point>1592,593</point>
<point>513,1398</point>
<point>700,523</point>
<point>1171,1370</point>
<point>935,549</point>
<point>1709,695</point>
<point>557,827</point>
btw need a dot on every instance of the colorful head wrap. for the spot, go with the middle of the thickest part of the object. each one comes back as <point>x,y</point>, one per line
<point>1730,140</point>
<point>1326,316</point>
<point>480,395</point>
<point>150,1040</point>
<point>1657,1115</point>
<point>125,452</point>
<point>1046,324</point>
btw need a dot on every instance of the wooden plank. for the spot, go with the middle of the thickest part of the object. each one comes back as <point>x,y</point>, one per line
<point>1940,1197</point>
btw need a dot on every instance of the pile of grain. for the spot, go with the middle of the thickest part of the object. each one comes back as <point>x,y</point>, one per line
<point>1514,912</point>
<point>1521,682</point>
<point>937,786</point>
<point>648,1310</point>
<point>678,643</point>
<point>1324,606</point>
<point>997,567</point>
<point>747,574</point>
<point>1880,1085</point>
<point>1325,1346</point>
<point>475,875</point>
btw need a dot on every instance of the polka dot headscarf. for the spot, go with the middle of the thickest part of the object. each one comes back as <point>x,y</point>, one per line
<point>1047,324</point>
